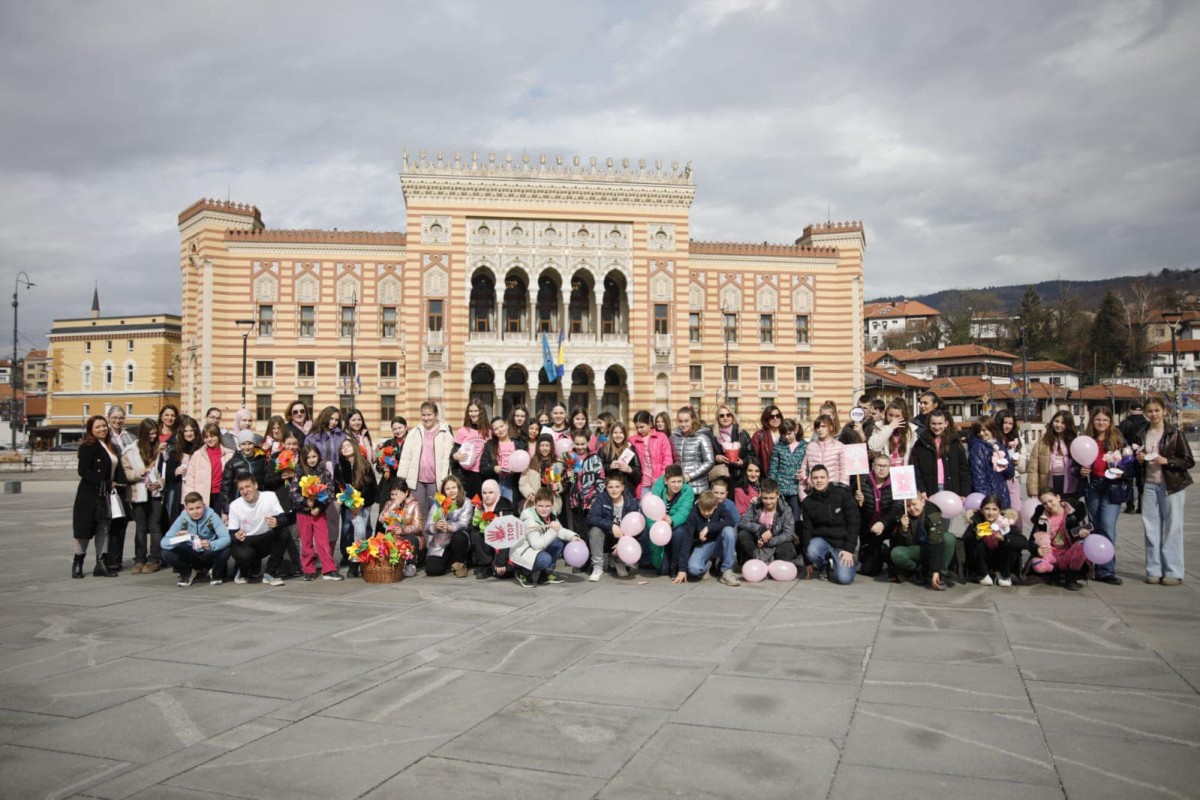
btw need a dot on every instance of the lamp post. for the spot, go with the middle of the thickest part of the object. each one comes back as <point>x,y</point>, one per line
<point>22,278</point>
<point>244,326</point>
<point>1173,318</point>
<point>1024,371</point>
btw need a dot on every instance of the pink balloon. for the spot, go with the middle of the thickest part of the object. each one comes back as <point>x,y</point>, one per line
<point>754,570</point>
<point>633,524</point>
<point>518,461</point>
<point>974,501</point>
<point>628,550</point>
<point>1027,508</point>
<point>950,504</point>
<point>563,446</point>
<point>653,507</point>
<point>575,553</point>
<point>782,570</point>
<point>1098,548</point>
<point>1084,450</point>
<point>660,533</point>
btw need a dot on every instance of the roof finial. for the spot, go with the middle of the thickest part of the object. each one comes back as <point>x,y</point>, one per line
<point>96,301</point>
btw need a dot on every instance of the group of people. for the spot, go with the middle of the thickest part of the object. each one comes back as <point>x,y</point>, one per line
<point>300,494</point>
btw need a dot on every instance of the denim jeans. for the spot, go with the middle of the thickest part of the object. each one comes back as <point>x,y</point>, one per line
<point>820,553</point>
<point>1162,518</point>
<point>183,559</point>
<point>702,554</point>
<point>547,558</point>
<point>1103,516</point>
<point>354,529</point>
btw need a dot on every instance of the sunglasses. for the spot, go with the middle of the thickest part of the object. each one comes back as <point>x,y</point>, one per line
<point>297,413</point>
<point>725,414</point>
<point>776,416</point>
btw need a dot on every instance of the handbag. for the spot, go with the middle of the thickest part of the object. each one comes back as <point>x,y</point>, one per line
<point>1118,492</point>
<point>115,506</point>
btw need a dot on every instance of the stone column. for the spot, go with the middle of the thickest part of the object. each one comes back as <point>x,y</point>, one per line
<point>498,310</point>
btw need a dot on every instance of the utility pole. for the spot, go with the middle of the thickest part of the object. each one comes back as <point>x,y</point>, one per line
<point>22,278</point>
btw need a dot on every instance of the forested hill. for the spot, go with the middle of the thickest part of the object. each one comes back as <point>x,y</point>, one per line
<point>1089,293</point>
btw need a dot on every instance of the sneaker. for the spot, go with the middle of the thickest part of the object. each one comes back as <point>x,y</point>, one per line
<point>727,578</point>
<point>186,580</point>
<point>552,578</point>
<point>597,574</point>
<point>1171,581</point>
<point>460,569</point>
<point>332,576</point>
<point>524,581</point>
<point>410,570</point>
<point>622,569</point>
<point>1005,582</point>
<point>216,581</point>
<point>271,580</point>
<point>1112,580</point>
<point>705,575</point>
<point>310,576</point>
<point>136,569</point>
<point>1153,579</point>
<point>239,579</point>
<point>986,580</point>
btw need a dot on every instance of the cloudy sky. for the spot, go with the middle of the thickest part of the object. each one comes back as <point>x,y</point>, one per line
<point>981,143</point>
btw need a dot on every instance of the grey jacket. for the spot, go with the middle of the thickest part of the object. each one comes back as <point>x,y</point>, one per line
<point>694,454</point>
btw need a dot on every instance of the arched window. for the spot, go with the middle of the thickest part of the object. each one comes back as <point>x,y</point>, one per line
<point>85,370</point>
<point>130,370</point>
<point>108,374</point>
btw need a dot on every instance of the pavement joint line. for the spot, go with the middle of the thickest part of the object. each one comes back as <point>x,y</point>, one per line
<point>1126,728</point>
<point>1122,778</point>
<point>964,739</point>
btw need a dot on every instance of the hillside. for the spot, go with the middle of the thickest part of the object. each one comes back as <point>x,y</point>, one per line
<point>1090,293</point>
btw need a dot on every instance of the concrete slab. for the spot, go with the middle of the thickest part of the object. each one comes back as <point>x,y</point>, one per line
<point>854,782</point>
<point>656,639</point>
<point>942,647</point>
<point>965,687</point>
<point>612,679</point>
<point>448,779</point>
<point>771,705</point>
<point>288,674</point>
<point>519,654</point>
<point>103,686</point>
<point>816,627</point>
<point>29,772</point>
<point>391,637</point>
<point>821,664</point>
<point>235,644</point>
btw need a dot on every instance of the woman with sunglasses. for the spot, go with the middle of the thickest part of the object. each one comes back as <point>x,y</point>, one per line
<point>298,420</point>
<point>732,444</point>
<point>768,434</point>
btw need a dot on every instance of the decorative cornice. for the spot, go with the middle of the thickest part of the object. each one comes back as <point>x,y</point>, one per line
<point>592,172</point>
<point>764,249</point>
<point>226,206</point>
<point>275,235</point>
<point>853,226</point>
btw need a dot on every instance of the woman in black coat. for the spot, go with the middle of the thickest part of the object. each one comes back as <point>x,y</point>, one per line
<point>956,473</point>
<point>99,474</point>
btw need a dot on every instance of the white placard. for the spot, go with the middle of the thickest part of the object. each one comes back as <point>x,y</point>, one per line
<point>504,532</point>
<point>855,459</point>
<point>904,483</point>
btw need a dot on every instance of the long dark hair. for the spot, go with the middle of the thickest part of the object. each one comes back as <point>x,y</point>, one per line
<point>178,417</point>
<point>1003,416</point>
<point>90,437</point>
<point>147,440</point>
<point>536,459</point>
<point>182,445</point>
<point>1069,432</point>
<point>303,468</point>
<point>480,427</point>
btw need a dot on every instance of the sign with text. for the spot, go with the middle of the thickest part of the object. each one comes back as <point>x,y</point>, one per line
<point>504,532</point>
<point>855,460</point>
<point>904,483</point>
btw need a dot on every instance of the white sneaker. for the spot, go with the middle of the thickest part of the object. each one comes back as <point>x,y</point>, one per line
<point>216,582</point>
<point>185,582</point>
<point>597,574</point>
<point>271,580</point>
<point>622,570</point>
<point>239,580</point>
<point>986,580</point>
<point>1004,581</point>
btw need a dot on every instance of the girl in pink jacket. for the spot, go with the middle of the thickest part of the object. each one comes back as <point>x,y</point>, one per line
<point>653,450</point>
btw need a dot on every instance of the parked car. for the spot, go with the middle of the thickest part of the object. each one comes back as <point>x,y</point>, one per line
<point>65,447</point>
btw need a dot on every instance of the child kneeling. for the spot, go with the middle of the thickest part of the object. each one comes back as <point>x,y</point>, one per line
<point>1057,538</point>
<point>534,557</point>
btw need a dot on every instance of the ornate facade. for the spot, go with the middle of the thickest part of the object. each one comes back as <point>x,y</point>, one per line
<point>494,254</point>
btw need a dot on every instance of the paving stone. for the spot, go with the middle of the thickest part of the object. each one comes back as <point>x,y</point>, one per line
<point>725,608</point>
<point>942,647</point>
<point>105,685</point>
<point>589,623</point>
<point>519,654</point>
<point>18,667</point>
<point>448,779</point>
<point>854,782</point>
<point>964,619</point>
<point>1084,710</point>
<point>290,674</point>
<point>19,724</point>
<point>1097,668</point>
<point>675,640</point>
<point>30,772</point>
<point>964,687</point>
<point>612,679</point>
<point>557,736</point>
<point>771,705</point>
<point>691,761</point>
<point>235,644</point>
<point>996,746</point>
<point>389,637</point>
<point>152,726</point>
<point>1100,766</point>
<point>822,664</point>
<point>435,699</point>
<point>816,627</point>
<point>1077,635</point>
<point>318,758</point>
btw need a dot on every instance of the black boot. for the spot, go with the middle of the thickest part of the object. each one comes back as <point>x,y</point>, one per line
<point>1071,581</point>
<point>77,566</point>
<point>354,569</point>
<point>102,570</point>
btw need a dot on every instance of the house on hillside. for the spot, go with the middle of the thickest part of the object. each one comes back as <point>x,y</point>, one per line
<point>993,327</point>
<point>1050,372</point>
<point>902,323</point>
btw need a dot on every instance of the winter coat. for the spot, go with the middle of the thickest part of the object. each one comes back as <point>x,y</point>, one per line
<point>459,519</point>
<point>329,443</point>
<point>538,536</point>
<point>274,482</point>
<point>984,478</point>
<point>762,444</point>
<point>136,472</point>
<point>198,477</point>
<point>720,520</point>
<point>410,518</point>
<point>1076,519</point>
<point>601,516</point>
<point>880,440</point>
<point>654,454</point>
<point>96,483</point>
<point>256,465</point>
<point>694,453</point>
<point>831,515</point>
<point>828,454</point>
<point>737,470</point>
<point>410,457</point>
<point>890,510</point>
<point>785,467</point>
<point>1180,461</point>
<point>584,481</point>
<point>929,529</point>
<point>1037,474</point>
<point>783,527</point>
<point>924,458</point>
<point>678,507</point>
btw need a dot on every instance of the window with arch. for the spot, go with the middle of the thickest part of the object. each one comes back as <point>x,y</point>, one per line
<point>130,371</point>
<point>108,374</point>
<point>86,372</point>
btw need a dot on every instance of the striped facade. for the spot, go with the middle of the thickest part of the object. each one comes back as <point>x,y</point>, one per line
<point>492,256</point>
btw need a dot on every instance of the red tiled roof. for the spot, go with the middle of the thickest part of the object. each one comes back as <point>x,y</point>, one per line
<point>904,308</point>
<point>874,356</point>
<point>965,387</point>
<point>1001,315</point>
<point>898,378</point>
<point>36,354</point>
<point>1047,366</point>
<point>963,351</point>
<point>1042,391</point>
<point>1107,391</point>
<point>1182,345</point>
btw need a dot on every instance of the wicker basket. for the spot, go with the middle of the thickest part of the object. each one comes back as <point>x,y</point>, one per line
<point>383,573</point>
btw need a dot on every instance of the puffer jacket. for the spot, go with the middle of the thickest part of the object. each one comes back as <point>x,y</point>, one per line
<point>538,536</point>
<point>694,453</point>
<point>655,454</point>
<point>984,477</point>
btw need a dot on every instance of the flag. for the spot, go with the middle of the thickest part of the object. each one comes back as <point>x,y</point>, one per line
<point>358,382</point>
<point>560,361</point>
<point>548,359</point>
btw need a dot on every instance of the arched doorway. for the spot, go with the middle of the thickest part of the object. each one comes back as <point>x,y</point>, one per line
<point>516,304</point>
<point>483,302</point>
<point>581,308</point>
<point>548,392</point>
<point>483,387</point>
<point>616,392</point>
<point>516,388</point>
<point>549,295</point>
<point>614,306</point>
<point>583,390</point>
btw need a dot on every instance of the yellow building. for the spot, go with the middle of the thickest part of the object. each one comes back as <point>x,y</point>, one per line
<point>496,253</point>
<point>97,362</point>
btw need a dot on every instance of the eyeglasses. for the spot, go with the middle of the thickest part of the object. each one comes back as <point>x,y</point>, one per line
<point>776,416</point>
<point>725,414</point>
<point>298,412</point>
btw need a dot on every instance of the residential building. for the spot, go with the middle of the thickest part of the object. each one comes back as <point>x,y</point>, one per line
<point>497,259</point>
<point>993,327</point>
<point>904,323</point>
<point>1051,372</point>
<point>36,372</point>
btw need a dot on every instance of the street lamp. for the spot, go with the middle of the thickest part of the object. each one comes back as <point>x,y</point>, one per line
<point>244,326</point>
<point>1173,318</point>
<point>22,278</point>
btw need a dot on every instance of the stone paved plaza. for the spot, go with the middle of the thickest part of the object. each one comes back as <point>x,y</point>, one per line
<point>441,687</point>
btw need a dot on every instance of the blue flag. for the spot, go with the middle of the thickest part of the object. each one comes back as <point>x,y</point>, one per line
<point>548,359</point>
<point>560,362</point>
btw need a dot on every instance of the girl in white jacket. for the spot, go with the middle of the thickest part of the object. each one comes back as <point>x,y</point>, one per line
<point>535,556</point>
<point>895,437</point>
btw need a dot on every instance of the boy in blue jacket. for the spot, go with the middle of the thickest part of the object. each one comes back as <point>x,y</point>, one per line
<point>708,526</point>
<point>604,522</point>
<point>207,548</point>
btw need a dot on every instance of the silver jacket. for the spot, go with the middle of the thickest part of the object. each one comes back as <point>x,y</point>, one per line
<point>694,454</point>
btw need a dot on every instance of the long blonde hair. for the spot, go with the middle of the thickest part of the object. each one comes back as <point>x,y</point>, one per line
<point>1112,439</point>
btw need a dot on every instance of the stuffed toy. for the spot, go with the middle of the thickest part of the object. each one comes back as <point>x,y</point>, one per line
<point>1046,563</point>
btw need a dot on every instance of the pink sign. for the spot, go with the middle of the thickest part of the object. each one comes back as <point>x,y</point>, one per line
<point>504,532</point>
<point>855,460</point>
<point>904,483</point>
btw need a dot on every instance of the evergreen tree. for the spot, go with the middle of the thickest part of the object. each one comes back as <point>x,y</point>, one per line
<point>1110,337</point>
<point>1035,322</point>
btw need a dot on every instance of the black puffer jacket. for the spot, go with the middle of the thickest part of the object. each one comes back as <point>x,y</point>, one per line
<point>957,471</point>
<point>831,515</point>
